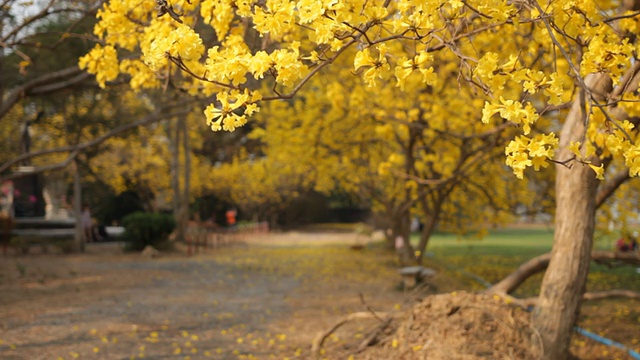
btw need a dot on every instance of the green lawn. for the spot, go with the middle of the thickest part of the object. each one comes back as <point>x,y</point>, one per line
<point>496,255</point>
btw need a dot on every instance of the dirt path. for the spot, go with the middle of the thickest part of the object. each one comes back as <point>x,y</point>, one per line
<point>242,302</point>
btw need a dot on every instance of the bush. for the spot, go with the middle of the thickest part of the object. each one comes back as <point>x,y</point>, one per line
<point>142,229</point>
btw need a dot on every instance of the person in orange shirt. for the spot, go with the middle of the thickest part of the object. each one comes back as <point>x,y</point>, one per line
<point>231,217</point>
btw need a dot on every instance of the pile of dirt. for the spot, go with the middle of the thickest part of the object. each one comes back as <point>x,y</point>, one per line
<point>458,326</point>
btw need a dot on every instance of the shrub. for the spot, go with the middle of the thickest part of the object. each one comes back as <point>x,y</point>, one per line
<point>142,229</point>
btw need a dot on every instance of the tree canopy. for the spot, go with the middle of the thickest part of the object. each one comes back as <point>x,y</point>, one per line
<point>551,48</point>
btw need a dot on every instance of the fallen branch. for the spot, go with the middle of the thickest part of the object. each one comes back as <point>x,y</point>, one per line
<point>599,295</point>
<point>590,296</point>
<point>385,319</point>
<point>371,338</point>
<point>364,303</point>
<point>540,263</point>
<point>321,337</point>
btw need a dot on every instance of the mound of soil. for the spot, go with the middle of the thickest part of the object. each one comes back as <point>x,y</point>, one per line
<point>459,326</point>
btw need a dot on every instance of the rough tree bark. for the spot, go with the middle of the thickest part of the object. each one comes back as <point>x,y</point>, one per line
<point>564,281</point>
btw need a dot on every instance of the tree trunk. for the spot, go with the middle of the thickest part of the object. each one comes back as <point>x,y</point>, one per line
<point>79,238</point>
<point>186,188</point>
<point>564,281</point>
<point>174,135</point>
<point>430,223</point>
<point>425,235</point>
<point>401,228</point>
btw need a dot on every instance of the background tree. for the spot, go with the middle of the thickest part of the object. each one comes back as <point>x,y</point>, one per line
<point>41,43</point>
<point>406,155</point>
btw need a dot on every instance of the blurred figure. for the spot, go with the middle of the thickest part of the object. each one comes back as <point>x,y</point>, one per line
<point>87,223</point>
<point>231,217</point>
<point>621,245</point>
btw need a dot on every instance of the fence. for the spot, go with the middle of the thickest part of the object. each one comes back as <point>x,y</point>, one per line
<point>201,236</point>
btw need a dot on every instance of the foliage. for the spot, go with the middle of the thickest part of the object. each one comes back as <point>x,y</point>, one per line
<point>618,216</point>
<point>114,207</point>
<point>142,229</point>
<point>270,186</point>
<point>37,63</point>
<point>405,41</point>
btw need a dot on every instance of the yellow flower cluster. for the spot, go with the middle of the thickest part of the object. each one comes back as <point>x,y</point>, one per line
<point>277,19</point>
<point>183,43</point>
<point>420,62</point>
<point>603,55</point>
<point>218,14</point>
<point>374,66</point>
<point>523,152</point>
<point>233,110</point>
<point>142,76</point>
<point>513,111</point>
<point>102,61</point>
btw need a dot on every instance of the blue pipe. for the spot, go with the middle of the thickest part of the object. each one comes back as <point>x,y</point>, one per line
<point>604,340</point>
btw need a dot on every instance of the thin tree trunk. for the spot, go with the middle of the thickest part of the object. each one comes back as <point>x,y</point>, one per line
<point>186,188</point>
<point>174,148</point>
<point>425,235</point>
<point>430,225</point>
<point>401,229</point>
<point>564,281</point>
<point>79,237</point>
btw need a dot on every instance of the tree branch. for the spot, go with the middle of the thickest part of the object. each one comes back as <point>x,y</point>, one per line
<point>46,89</point>
<point>44,83</point>
<point>540,263</point>
<point>590,296</point>
<point>321,337</point>
<point>76,149</point>
<point>609,187</point>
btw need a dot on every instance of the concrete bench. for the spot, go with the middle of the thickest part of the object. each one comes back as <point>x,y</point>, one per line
<point>411,275</point>
<point>44,233</point>
<point>42,237</point>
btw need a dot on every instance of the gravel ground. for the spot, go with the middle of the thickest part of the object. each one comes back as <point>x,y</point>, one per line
<point>234,303</point>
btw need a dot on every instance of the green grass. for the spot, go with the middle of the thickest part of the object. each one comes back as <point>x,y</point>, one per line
<point>502,251</point>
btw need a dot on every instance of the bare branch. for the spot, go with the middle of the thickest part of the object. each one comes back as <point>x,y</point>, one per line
<point>321,337</point>
<point>28,21</point>
<point>590,296</point>
<point>46,89</point>
<point>40,169</point>
<point>540,263</point>
<point>611,293</point>
<point>609,187</point>
<point>43,81</point>
<point>75,149</point>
